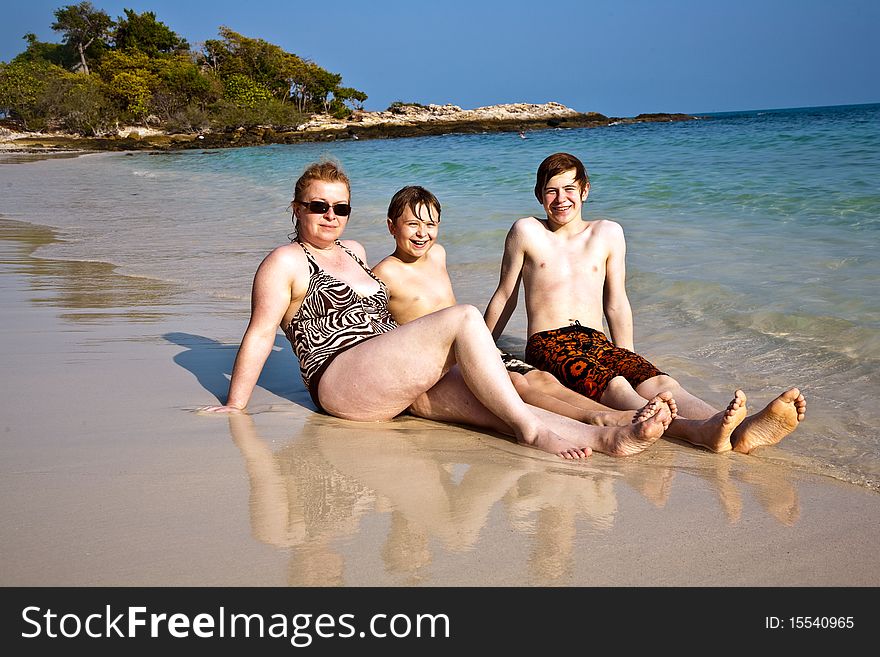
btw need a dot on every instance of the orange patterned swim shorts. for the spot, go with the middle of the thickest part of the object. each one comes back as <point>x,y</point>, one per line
<point>585,360</point>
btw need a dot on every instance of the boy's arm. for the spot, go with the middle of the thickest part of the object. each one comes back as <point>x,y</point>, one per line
<point>618,311</point>
<point>386,270</point>
<point>503,301</point>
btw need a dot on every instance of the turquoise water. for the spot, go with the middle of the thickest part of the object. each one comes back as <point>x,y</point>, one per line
<point>751,236</point>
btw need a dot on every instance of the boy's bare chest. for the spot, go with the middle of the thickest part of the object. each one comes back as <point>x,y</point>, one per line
<point>582,258</point>
<point>429,284</point>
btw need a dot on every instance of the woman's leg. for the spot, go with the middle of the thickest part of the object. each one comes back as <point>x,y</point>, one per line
<point>381,377</point>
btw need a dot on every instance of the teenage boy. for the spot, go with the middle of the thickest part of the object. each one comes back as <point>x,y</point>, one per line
<point>573,271</point>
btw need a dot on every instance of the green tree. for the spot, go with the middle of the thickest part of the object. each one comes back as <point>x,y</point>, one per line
<point>350,95</point>
<point>23,85</point>
<point>297,75</point>
<point>134,91</point>
<point>285,75</point>
<point>115,61</point>
<point>321,84</point>
<point>41,95</point>
<point>79,104</point>
<point>259,60</point>
<point>244,91</point>
<point>41,51</point>
<point>83,27</point>
<point>143,32</point>
<point>131,79</point>
<point>182,84</point>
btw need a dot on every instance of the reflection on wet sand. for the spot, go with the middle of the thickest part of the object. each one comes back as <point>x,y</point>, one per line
<point>94,290</point>
<point>438,487</point>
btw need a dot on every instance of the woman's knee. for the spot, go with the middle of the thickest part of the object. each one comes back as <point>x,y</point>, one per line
<point>470,314</point>
<point>461,315</point>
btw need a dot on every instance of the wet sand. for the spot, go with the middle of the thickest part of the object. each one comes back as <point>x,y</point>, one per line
<point>110,477</point>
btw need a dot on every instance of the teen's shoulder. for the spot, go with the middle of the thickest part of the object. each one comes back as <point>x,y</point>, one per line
<point>608,227</point>
<point>527,226</point>
<point>388,264</point>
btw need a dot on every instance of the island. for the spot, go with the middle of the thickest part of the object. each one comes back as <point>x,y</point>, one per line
<point>399,120</point>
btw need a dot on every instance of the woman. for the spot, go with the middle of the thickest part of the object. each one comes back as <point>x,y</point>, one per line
<point>359,365</point>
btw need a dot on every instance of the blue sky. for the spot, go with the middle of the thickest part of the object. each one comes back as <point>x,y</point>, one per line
<point>617,57</point>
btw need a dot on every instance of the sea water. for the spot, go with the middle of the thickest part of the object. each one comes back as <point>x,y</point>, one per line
<point>752,240</point>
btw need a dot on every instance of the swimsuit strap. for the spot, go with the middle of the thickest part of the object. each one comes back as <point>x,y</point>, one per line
<point>362,264</point>
<point>314,263</point>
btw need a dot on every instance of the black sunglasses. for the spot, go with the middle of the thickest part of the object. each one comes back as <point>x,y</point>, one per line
<point>321,207</point>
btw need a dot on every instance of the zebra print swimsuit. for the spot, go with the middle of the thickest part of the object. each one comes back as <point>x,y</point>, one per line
<point>333,318</point>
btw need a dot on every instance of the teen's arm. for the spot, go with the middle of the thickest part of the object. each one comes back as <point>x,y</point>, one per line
<point>618,312</point>
<point>503,301</point>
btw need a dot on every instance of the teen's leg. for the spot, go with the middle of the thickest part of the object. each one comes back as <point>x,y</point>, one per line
<point>451,401</point>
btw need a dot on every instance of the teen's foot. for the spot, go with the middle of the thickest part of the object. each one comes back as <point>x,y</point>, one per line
<point>714,433</point>
<point>638,436</point>
<point>654,405</point>
<point>768,426</point>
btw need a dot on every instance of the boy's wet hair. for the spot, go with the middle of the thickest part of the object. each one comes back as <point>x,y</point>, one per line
<point>556,164</point>
<point>412,196</point>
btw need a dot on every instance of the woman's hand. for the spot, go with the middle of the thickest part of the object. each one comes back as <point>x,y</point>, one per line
<point>220,409</point>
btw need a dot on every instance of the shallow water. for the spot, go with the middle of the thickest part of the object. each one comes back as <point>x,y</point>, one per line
<point>751,240</point>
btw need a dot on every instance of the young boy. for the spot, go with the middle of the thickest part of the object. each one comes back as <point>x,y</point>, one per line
<point>574,274</point>
<point>418,284</point>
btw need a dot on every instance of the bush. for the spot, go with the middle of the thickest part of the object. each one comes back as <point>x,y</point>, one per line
<point>80,104</point>
<point>397,106</point>
<point>191,118</point>
<point>273,112</point>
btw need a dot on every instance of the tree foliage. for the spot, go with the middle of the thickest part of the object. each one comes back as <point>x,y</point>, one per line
<point>143,32</point>
<point>59,54</point>
<point>41,95</point>
<point>136,68</point>
<point>84,27</point>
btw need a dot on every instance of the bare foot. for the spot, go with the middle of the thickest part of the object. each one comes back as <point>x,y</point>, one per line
<point>609,418</point>
<point>654,405</point>
<point>625,418</point>
<point>638,436</point>
<point>548,441</point>
<point>770,425</point>
<point>714,433</point>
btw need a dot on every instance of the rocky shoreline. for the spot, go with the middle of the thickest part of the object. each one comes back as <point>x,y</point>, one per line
<point>401,121</point>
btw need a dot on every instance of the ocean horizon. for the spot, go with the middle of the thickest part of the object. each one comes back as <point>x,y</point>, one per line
<point>751,238</point>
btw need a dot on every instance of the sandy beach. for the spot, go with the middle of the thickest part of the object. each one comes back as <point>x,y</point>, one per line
<point>110,477</point>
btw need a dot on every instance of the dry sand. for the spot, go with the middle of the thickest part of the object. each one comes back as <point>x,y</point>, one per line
<point>109,477</point>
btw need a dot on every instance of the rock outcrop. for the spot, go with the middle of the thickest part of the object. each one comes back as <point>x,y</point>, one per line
<point>401,120</point>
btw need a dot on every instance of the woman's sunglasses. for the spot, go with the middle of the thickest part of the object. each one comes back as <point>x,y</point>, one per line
<point>321,207</point>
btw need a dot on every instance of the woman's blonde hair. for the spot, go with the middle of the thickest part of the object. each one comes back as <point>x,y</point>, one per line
<point>324,171</point>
